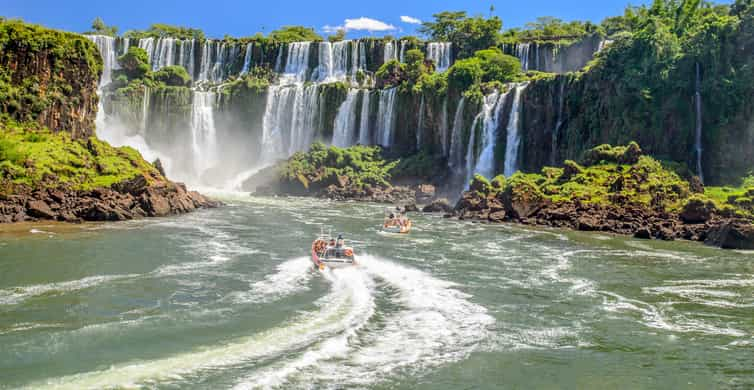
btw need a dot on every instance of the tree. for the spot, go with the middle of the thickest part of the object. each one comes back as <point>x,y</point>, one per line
<point>134,63</point>
<point>498,66</point>
<point>338,36</point>
<point>415,64</point>
<point>174,75</point>
<point>287,34</point>
<point>100,28</point>
<point>466,33</point>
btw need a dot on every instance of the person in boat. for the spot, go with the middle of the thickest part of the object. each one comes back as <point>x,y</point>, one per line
<point>341,242</point>
<point>332,242</point>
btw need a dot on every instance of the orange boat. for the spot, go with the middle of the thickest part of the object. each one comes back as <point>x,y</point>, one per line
<point>332,253</point>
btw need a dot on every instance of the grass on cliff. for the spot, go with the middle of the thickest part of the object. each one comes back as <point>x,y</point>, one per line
<point>363,165</point>
<point>620,175</point>
<point>40,158</point>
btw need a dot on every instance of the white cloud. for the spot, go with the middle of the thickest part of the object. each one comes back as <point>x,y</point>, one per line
<point>410,20</point>
<point>367,24</point>
<point>331,29</point>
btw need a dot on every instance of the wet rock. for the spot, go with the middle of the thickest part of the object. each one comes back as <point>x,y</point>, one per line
<point>40,209</point>
<point>438,206</point>
<point>732,235</point>
<point>697,211</point>
<point>425,193</point>
<point>643,233</point>
<point>158,165</point>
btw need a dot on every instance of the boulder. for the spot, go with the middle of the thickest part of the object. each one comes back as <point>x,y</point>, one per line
<point>697,211</point>
<point>438,206</point>
<point>732,235</point>
<point>522,199</point>
<point>425,193</point>
<point>40,209</point>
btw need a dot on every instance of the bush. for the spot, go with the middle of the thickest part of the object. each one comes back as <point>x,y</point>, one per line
<point>498,66</point>
<point>465,73</point>
<point>134,64</point>
<point>390,74</point>
<point>175,76</point>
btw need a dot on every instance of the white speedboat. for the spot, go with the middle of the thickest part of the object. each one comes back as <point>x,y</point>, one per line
<point>328,252</point>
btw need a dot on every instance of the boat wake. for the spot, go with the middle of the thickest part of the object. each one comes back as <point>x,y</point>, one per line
<point>377,319</point>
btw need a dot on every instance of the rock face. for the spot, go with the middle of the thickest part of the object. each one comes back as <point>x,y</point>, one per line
<point>700,224</point>
<point>135,198</point>
<point>732,235</point>
<point>65,68</point>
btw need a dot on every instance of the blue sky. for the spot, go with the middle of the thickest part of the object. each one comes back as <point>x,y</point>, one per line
<point>243,18</point>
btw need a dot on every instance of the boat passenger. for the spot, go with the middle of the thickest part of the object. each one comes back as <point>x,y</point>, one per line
<point>340,242</point>
<point>332,242</point>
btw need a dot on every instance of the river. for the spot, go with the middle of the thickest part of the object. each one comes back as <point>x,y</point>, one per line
<point>227,298</point>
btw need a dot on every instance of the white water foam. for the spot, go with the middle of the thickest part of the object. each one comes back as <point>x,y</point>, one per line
<point>339,310</point>
<point>291,277</point>
<point>16,295</point>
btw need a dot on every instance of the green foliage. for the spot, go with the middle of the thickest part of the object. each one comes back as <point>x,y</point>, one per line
<point>321,165</point>
<point>338,36</point>
<point>498,66</point>
<point>174,75</point>
<point>465,73</point>
<point>100,28</point>
<point>422,165</point>
<point>287,34</point>
<point>38,157</point>
<point>391,74</point>
<point>551,28</point>
<point>160,30</point>
<point>27,91</point>
<point>135,63</point>
<point>468,34</point>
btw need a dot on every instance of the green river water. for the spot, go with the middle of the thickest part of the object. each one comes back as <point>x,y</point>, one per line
<point>227,298</point>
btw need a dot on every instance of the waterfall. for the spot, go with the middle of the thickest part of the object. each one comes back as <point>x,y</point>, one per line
<point>402,56</point>
<point>203,137</point>
<point>333,62</point>
<point>490,116</point>
<point>297,63</point>
<point>106,47</point>
<point>344,133</point>
<point>279,59</point>
<point>513,138</point>
<point>186,56</point>
<point>145,111</point>
<point>364,125</point>
<point>206,60</point>
<point>386,117</point>
<point>362,55</point>
<point>148,45</point>
<point>454,161</point>
<point>358,57</point>
<point>162,55</point>
<point>470,151</point>
<point>289,120</point>
<point>522,52</point>
<point>439,53</point>
<point>420,125</point>
<point>444,126</point>
<point>558,124</point>
<point>247,58</point>
<point>698,136</point>
<point>126,42</point>
<point>389,53</point>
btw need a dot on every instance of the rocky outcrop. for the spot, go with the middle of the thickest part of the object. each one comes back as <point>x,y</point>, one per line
<point>133,199</point>
<point>635,220</point>
<point>64,69</point>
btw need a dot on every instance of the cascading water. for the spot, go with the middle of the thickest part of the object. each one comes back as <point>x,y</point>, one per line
<point>558,124</point>
<point>420,125</point>
<point>470,148</point>
<point>247,58</point>
<point>364,125</point>
<point>333,62</point>
<point>163,53</point>
<point>444,126</point>
<point>106,46</point>
<point>145,111</point>
<point>513,138</point>
<point>439,53</point>
<point>522,52</point>
<point>698,135</point>
<point>297,63</point>
<point>288,123</point>
<point>402,55</point>
<point>203,134</point>
<point>490,116</point>
<point>148,45</point>
<point>454,160</point>
<point>386,117</point>
<point>344,133</point>
<point>390,52</point>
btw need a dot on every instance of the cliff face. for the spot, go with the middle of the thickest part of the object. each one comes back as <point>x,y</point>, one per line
<point>616,102</point>
<point>49,77</point>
